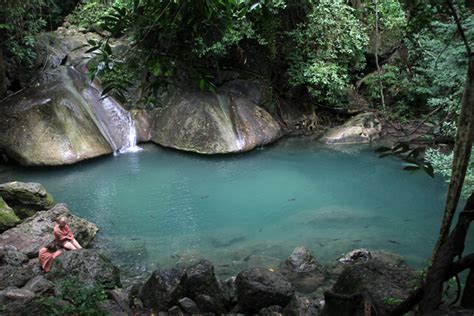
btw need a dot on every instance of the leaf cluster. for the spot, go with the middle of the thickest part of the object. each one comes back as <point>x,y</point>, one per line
<point>411,157</point>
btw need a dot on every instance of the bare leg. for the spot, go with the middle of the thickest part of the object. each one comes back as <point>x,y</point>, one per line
<point>76,244</point>
<point>69,246</point>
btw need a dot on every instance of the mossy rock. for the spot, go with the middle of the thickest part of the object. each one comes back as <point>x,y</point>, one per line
<point>8,219</point>
<point>26,198</point>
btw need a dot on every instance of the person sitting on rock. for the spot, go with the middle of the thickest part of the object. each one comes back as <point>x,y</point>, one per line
<point>47,254</point>
<point>64,236</point>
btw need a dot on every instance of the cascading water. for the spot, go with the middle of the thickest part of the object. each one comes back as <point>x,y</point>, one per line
<point>118,124</point>
<point>114,122</point>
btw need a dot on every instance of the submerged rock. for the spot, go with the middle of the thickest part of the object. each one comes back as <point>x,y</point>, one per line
<point>303,271</point>
<point>362,128</point>
<point>36,231</point>
<point>356,255</point>
<point>369,284</point>
<point>26,198</point>
<point>90,267</point>
<point>214,124</point>
<point>259,288</point>
<point>8,218</point>
<point>301,260</point>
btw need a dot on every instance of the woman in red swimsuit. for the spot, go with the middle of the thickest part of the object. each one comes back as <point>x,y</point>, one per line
<point>47,255</point>
<point>64,236</point>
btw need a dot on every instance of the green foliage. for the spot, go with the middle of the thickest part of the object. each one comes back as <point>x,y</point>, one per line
<point>22,20</point>
<point>84,300</point>
<point>88,13</point>
<point>397,85</point>
<point>440,71</point>
<point>442,164</point>
<point>410,156</point>
<point>392,16</point>
<point>391,300</point>
<point>328,48</point>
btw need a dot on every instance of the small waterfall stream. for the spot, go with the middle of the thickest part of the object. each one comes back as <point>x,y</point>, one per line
<point>117,124</point>
<point>114,122</point>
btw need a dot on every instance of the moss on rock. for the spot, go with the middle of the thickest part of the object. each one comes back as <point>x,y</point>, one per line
<point>8,219</point>
<point>26,198</point>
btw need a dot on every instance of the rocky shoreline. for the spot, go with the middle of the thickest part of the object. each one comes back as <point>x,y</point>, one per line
<point>348,286</point>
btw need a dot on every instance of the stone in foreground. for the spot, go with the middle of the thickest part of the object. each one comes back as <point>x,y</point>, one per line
<point>361,129</point>
<point>88,266</point>
<point>37,231</point>
<point>26,198</point>
<point>196,283</point>
<point>258,288</point>
<point>369,285</point>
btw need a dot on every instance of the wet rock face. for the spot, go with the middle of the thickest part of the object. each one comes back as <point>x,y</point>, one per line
<point>143,123</point>
<point>26,198</point>
<point>259,288</point>
<point>37,231</point>
<point>362,128</point>
<point>183,286</point>
<point>214,124</point>
<point>370,284</point>
<point>90,267</point>
<point>50,124</point>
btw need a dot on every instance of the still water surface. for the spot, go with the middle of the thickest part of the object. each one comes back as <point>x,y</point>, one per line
<point>163,206</point>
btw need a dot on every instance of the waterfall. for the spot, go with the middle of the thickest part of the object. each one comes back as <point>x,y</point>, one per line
<point>114,122</point>
<point>118,125</point>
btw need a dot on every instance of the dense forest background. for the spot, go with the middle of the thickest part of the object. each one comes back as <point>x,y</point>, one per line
<point>404,59</point>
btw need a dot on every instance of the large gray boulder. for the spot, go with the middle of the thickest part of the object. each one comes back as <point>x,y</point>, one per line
<point>214,124</point>
<point>36,231</point>
<point>372,284</point>
<point>51,123</point>
<point>258,288</point>
<point>89,267</point>
<point>26,198</point>
<point>362,128</point>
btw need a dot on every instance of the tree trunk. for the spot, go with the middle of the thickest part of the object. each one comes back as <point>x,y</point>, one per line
<point>443,268</point>
<point>467,299</point>
<point>3,76</point>
<point>377,44</point>
<point>462,154</point>
<point>453,247</point>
